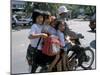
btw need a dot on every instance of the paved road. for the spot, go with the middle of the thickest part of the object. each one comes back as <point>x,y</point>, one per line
<point>19,47</point>
<point>20,43</point>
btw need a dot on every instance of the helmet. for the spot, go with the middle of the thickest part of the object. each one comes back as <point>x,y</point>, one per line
<point>62,9</point>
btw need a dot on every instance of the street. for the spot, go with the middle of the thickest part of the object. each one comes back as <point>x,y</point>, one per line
<point>20,43</point>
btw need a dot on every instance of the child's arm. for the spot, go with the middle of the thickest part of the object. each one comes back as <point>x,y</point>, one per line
<point>68,39</point>
<point>61,38</point>
<point>33,36</point>
<point>33,33</point>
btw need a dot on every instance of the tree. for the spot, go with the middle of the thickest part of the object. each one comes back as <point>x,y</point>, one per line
<point>28,8</point>
<point>53,7</point>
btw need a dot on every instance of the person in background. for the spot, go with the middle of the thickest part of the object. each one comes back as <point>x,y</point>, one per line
<point>63,16</point>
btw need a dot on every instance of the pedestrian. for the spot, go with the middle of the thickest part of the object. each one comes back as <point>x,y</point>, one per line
<point>34,49</point>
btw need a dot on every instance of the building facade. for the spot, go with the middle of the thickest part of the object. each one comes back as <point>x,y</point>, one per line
<point>17,6</point>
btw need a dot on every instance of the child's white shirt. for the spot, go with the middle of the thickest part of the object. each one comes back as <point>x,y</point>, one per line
<point>49,29</point>
<point>36,29</point>
<point>52,31</point>
<point>61,37</point>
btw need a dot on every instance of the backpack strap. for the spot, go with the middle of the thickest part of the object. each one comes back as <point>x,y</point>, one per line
<point>38,43</point>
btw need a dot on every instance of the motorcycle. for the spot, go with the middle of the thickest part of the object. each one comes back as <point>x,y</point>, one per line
<point>84,56</point>
<point>79,57</point>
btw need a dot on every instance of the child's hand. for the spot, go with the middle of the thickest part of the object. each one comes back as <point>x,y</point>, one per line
<point>43,35</point>
<point>68,39</point>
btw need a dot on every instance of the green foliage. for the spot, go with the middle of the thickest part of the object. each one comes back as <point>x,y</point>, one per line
<point>52,7</point>
<point>28,8</point>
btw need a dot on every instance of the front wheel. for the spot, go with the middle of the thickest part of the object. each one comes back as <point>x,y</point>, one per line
<point>88,58</point>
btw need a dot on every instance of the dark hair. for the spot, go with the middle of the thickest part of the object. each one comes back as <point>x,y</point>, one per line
<point>58,22</point>
<point>46,15</point>
<point>35,14</point>
<point>54,20</point>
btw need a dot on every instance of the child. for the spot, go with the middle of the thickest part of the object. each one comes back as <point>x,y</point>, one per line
<point>52,29</point>
<point>60,27</point>
<point>49,24</point>
<point>34,54</point>
<point>61,58</point>
<point>49,28</point>
<point>46,22</point>
<point>65,44</point>
<point>56,27</point>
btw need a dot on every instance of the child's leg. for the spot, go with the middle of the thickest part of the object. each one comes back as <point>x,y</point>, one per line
<point>59,66</point>
<point>54,62</point>
<point>34,67</point>
<point>72,64</point>
<point>65,62</point>
<point>29,55</point>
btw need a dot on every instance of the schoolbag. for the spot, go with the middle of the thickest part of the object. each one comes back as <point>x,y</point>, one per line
<point>51,46</point>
